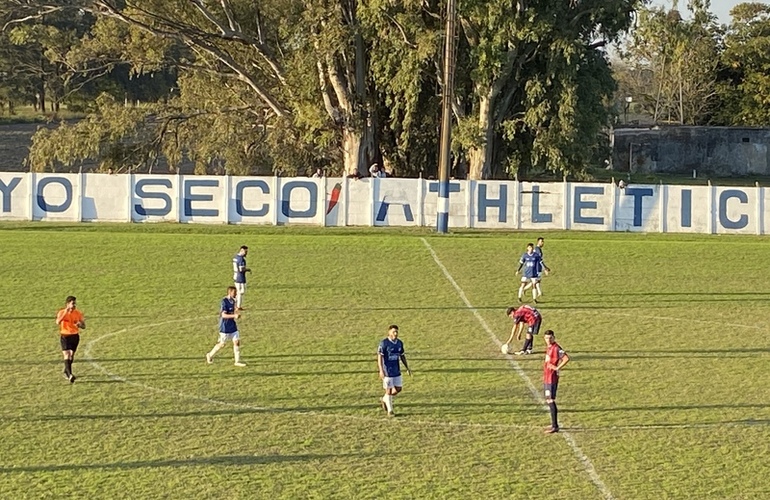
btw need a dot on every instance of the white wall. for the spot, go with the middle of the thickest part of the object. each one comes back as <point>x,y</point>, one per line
<point>383,202</point>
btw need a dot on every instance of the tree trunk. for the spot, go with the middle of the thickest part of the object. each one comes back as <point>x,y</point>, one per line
<point>480,156</point>
<point>354,152</point>
<point>41,97</point>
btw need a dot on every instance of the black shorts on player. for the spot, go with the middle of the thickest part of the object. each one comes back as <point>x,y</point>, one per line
<point>70,342</point>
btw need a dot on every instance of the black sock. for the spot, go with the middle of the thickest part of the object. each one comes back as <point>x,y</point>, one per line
<point>554,412</point>
<point>528,345</point>
<point>68,367</point>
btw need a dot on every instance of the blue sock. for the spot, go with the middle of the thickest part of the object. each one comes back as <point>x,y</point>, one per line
<point>554,413</point>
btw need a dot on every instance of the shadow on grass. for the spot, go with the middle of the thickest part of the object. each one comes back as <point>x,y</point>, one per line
<point>187,462</point>
<point>673,426</point>
<point>53,317</point>
<point>718,406</point>
<point>741,352</point>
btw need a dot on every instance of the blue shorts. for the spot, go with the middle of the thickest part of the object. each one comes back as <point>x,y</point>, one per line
<point>534,329</point>
<point>550,389</point>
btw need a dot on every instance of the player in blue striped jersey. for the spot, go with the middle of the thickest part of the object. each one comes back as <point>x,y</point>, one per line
<point>530,263</point>
<point>543,268</point>
<point>239,275</point>
<point>389,353</point>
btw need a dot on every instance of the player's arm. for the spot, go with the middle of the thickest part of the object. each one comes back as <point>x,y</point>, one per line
<point>380,366</point>
<point>563,360</point>
<point>513,332</point>
<point>226,315</point>
<point>521,264</point>
<point>403,360</point>
<point>81,323</point>
<point>60,316</point>
<point>545,268</point>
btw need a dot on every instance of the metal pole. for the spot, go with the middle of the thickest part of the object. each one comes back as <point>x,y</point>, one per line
<point>447,95</point>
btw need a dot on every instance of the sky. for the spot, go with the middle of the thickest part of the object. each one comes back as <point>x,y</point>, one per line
<point>719,7</point>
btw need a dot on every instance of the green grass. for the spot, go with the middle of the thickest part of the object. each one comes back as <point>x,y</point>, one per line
<point>666,393</point>
<point>27,114</point>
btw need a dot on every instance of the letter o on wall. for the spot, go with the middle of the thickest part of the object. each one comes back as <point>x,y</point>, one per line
<point>64,206</point>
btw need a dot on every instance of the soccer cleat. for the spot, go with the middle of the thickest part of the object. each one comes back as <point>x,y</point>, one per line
<point>209,359</point>
<point>240,365</point>
<point>551,430</point>
<point>72,379</point>
<point>519,353</point>
<point>65,375</point>
<point>391,414</point>
<point>528,351</point>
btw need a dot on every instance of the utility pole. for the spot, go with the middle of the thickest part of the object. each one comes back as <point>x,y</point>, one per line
<point>447,95</point>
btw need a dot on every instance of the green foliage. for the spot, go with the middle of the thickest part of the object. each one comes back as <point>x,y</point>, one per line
<point>672,61</point>
<point>744,79</point>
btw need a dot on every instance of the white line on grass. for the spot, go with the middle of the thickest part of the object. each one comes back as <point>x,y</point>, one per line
<point>588,466</point>
<point>430,423</point>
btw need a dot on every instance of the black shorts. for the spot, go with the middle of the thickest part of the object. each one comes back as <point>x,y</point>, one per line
<point>550,389</point>
<point>534,329</point>
<point>70,342</point>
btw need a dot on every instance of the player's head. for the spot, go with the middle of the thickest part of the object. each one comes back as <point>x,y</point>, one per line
<point>510,311</point>
<point>243,250</point>
<point>530,247</point>
<point>540,242</point>
<point>393,332</point>
<point>232,291</point>
<point>71,301</point>
<point>549,337</point>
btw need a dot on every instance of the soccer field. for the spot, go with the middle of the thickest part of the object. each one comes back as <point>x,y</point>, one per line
<point>665,395</point>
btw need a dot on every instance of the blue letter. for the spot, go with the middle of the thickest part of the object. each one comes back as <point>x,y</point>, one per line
<point>383,211</point>
<point>244,212</point>
<point>189,198</point>
<point>433,187</point>
<point>638,193</point>
<point>141,193</point>
<point>54,208</point>
<point>312,189</point>
<point>501,203</point>
<point>686,208</point>
<point>7,190</point>
<point>726,222</point>
<point>580,205</point>
<point>536,215</point>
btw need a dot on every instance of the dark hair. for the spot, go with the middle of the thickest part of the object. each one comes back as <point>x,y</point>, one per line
<point>509,310</point>
<point>540,239</point>
<point>231,288</point>
<point>391,327</point>
<point>530,245</point>
<point>70,298</point>
<point>244,247</point>
<point>549,332</point>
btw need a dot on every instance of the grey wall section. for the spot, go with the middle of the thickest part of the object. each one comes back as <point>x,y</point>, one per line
<point>718,151</point>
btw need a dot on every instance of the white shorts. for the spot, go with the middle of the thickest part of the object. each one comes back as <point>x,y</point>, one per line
<point>391,382</point>
<point>224,337</point>
<point>524,279</point>
<point>240,288</point>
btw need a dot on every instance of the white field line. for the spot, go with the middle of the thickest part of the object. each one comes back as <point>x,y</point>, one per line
<point>588,466</point>
<point>429,423</point>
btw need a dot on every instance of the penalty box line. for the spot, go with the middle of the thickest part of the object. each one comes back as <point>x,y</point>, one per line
<point>588,465</point>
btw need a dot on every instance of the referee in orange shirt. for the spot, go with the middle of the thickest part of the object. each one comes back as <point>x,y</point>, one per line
<point>70,321</point>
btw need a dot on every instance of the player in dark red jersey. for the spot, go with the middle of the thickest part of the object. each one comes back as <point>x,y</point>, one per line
<point>524,315</point>
<point>555,359</point>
